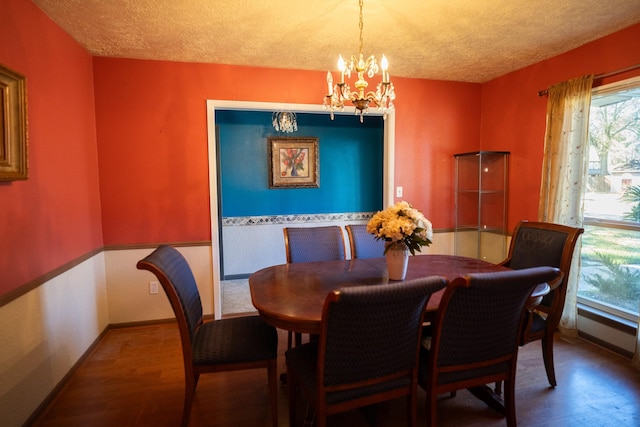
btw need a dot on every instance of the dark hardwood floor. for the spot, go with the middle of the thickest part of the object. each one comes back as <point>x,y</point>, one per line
<point>134,377</point>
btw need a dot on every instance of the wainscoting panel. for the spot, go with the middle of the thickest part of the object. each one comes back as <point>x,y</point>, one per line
<point>45,332</point>
<point>128,287</point>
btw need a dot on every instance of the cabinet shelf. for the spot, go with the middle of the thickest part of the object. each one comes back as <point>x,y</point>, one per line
<point>474,227</point>
<point>481,191</point>
<point>481,204</point>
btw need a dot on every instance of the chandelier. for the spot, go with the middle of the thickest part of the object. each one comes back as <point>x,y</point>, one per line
<point>383,96</point>
<point>284,121</point>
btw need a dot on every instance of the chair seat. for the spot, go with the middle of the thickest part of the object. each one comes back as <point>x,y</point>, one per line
<point>538,323</point>
<point>304,360</point>
<point>234,340</point>
<point>454,377</point>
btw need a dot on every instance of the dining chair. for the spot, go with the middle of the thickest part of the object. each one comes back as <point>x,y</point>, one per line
<point>535,244</point>
<point>362,243</point>
<point>312,244</point>
<point>222,345</point>
<point>474,338</point>
<point>367,351</point>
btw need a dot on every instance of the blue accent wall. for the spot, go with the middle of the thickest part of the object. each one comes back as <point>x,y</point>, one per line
<point>350,164</point>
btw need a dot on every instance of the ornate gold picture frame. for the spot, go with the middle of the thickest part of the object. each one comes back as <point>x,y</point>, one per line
<point>13,126</point>
<point>293,162</point>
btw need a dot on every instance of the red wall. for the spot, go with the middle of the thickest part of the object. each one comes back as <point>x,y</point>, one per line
<point>434,121</point>
<point>513,115</point>
<point>152,140</point>
<point>54,216</point>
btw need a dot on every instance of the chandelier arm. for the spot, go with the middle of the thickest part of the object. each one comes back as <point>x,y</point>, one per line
<point>373,95</point>
<point>384,90</point>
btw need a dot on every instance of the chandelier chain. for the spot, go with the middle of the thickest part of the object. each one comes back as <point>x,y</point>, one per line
<point>361,26</point>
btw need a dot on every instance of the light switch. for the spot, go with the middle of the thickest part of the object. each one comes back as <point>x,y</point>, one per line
<point>398,191</point>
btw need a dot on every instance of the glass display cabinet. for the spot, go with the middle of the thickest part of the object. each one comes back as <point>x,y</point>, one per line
<point>481,205</point>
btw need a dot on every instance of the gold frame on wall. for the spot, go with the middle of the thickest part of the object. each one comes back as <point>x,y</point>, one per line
<point>293,162</point>
<point>13,125</point>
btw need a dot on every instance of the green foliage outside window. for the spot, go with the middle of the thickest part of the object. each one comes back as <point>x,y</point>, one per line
<point>632,195</point>
<point>610,270</point>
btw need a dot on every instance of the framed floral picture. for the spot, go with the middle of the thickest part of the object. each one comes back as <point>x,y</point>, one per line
<point>293,162</point>
<point>13,126</point>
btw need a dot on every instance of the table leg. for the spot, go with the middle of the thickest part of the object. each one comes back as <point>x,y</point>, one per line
<point>310,417</point>
<point>488,396</point>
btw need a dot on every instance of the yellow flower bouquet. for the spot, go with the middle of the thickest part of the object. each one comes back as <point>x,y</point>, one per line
<point>401,223</point>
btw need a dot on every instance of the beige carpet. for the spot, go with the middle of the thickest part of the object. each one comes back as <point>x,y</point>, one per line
<point>236,297</point>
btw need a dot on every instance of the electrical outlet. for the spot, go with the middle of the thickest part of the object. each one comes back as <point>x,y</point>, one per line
<point>153,288</point>
<point>398,191</point>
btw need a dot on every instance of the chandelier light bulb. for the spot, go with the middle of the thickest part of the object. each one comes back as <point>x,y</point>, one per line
<point>330,82</point>
<point>384,64</point>
<point>341,68</point>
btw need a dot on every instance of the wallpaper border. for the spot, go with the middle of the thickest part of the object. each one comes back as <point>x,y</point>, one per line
<point>296,219</point>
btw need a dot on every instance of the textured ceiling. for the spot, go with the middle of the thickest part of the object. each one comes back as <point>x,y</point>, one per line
<point>461,40</point>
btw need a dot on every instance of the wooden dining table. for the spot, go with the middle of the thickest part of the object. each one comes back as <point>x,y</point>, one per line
<point>291,296</point>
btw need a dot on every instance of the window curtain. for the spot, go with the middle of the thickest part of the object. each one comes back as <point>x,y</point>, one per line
<point>564,172</point>
<point>635,361</point>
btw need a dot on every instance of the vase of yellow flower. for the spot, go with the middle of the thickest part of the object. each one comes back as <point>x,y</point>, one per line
<point>405,230</point>
<point>397,255</point>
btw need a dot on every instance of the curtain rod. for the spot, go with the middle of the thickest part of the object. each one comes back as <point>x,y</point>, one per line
<point>600,76</point>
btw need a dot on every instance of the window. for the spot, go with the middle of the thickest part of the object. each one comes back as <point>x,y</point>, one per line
<point>610,256</point>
